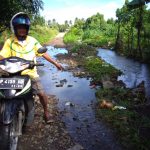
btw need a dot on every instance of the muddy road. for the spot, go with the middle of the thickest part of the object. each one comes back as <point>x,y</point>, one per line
<point>57,41</point>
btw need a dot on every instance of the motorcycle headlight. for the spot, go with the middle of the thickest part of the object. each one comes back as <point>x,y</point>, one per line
<point>14,67</point>
<point>13,92</point>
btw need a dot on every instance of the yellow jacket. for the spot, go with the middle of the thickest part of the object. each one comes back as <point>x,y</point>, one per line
<point>26,49</point>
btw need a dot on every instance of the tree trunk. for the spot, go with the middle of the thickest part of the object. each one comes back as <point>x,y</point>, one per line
<point>129,42</point>
<point>117,38</point>
<point>132,42</point>
<point>139,27</point>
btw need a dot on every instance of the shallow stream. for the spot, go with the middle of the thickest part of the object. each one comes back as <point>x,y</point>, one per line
<point>134,72</point>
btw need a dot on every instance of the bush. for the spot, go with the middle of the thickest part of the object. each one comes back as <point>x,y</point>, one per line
<point>42,34</point>
<point>83,50</point>
<point>73,36</point>
<point>3,36</point>
<point>99,69</point>
<point>97,38</point>
<point>70,38</point>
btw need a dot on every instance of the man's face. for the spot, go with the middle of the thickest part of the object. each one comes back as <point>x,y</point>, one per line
<point>21,30</point>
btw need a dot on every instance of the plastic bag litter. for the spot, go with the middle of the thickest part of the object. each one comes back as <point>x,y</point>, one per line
<point>118,107</point>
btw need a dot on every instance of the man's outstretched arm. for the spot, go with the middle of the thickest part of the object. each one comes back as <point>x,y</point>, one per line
<point>1,57</point>
<point>49,59</point>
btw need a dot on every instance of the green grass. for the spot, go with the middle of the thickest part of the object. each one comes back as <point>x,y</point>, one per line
<point>99,69</point>
<point>128,124</point>
<point>42,33</point>
<point>3,36</point>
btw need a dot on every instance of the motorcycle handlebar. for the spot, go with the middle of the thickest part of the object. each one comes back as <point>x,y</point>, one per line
<point>32,64</point>
<point>39,64</point>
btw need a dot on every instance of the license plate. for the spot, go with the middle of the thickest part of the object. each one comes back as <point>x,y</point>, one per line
<point>11,83</point>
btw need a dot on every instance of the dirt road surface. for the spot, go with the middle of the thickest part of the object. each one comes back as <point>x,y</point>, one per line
<point>58,41</point>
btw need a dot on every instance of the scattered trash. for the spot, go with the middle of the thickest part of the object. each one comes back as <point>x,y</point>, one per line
<point>93,86</point>
<point>59,85</point>
<point>69,104</point>
<point>74,54</point>
<point>118,107</point>
<point>70,85</point>
<point>63,81</point>
<point>106,104</point>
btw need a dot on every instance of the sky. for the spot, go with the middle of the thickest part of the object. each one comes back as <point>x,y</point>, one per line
<point>62,10</point>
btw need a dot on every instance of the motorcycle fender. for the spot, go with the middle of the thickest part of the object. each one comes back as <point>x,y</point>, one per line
<point>9,110</point>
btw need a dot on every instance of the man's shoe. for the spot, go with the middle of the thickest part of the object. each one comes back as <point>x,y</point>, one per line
<point>49,119</point>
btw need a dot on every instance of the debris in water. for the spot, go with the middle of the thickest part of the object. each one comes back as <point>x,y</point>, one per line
<point>70,85</point>
<point>69,104</point>
<point>118,107</point>
<point>63,81</point>
<point>59,85</point>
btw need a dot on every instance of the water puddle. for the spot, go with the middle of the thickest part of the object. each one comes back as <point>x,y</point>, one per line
<point>76,99</point>
<point>134,72</point>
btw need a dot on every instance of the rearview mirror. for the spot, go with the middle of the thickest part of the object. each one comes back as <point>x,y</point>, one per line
<point>42,50</point>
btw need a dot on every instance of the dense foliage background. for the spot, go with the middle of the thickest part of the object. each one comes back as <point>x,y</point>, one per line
<point>129,34</point>
<point>39,27</point>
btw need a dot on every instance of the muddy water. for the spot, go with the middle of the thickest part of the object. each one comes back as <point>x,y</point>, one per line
<point>76,100</point>
<point>134,72</point>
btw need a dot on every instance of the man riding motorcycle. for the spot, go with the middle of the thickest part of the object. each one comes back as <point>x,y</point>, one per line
<point>24,46</point>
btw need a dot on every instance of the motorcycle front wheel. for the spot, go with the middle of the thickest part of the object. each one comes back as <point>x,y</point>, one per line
<point>9,134</point>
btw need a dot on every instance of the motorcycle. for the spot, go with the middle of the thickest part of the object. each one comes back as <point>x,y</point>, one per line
<point>16,99</point>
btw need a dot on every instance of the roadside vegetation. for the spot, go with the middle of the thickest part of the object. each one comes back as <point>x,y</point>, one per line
<point>121,108</point>
<point>42,33</point>
<point>41,29</point>
<point>94,31</point>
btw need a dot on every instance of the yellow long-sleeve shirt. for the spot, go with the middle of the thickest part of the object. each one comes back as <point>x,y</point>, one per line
<point>26,50</point>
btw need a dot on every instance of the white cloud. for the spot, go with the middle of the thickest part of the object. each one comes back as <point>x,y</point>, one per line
<point>70,13</point>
